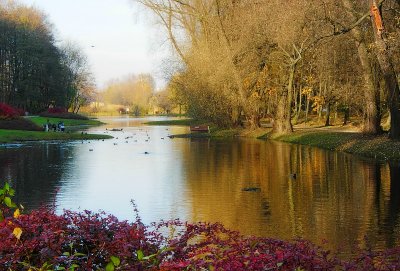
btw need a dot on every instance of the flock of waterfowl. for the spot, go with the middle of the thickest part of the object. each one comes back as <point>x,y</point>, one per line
<point>133,137</point>
<point>147,138</point>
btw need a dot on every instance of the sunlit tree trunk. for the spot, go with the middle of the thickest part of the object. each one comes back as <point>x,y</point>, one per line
<point>307,107</point>
<point>387,68</point>
<point>282,124</point>
<point>371,122</point>
<point>328,114</point>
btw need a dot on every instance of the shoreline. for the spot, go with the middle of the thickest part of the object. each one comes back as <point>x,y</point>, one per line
<point>9,136</point>
<point>18,136</point>
<point>378,147</point>
<point>335,138</point>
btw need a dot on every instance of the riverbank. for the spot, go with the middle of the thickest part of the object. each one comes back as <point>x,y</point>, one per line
<point>40,121</point>
<point>377,147</point>
<point>13,136</point>
<point>174,122</point>
<point>29,129</point>
<point>336,138</point>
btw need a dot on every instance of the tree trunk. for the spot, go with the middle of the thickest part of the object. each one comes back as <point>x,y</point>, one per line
<point>388,72</point>
<point>320,107</point>
<point>371,121</point>
<point>288,116</point>
<point>254,121</point>
<point>300,102</point>
<point>307,108</point>
<point>281,124</point>
<point>328,113</point>
<point>346,117</point>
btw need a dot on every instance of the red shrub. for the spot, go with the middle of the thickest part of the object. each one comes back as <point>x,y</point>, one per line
<point>210,246</point>
<point>89,240</point>
<point>9,111</point>
<point>85,239</point>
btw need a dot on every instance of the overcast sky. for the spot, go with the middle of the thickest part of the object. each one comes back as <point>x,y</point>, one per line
<point>125,40</point>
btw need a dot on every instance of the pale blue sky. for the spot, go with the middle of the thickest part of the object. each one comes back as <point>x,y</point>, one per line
<point>124,39</point>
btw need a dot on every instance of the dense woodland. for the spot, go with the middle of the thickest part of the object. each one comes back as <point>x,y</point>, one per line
<point>35,73</point>
<point>243,60</point>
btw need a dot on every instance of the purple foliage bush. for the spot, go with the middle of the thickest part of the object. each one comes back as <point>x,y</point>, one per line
<point>97,241</point>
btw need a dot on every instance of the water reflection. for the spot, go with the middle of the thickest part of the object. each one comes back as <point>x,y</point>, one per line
<point>334,197</point>
<point>34,170</point>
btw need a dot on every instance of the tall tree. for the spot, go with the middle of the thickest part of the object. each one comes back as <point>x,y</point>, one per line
<point>387,67</point>
<point>78,79</point>
<point>31,74</point>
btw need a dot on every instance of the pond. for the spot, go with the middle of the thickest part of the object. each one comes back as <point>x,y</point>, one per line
<point>335,197</point>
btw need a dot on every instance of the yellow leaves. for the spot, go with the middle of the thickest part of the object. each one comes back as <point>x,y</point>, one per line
<point>17,233</point>
<point>306,91</point>
<point>255,96</point>
<point>310,80</point>
<point>17,213</point>
<point>318,102</point>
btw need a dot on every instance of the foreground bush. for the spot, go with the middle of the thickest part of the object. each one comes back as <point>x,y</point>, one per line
<point>85,240</point>
<point>43,240</point>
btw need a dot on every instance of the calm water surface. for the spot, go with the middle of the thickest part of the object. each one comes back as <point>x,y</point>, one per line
<point>335,197</point>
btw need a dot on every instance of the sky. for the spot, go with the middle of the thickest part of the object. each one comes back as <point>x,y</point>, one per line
<point>117,36</point>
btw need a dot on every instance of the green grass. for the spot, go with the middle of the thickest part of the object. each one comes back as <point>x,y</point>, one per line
<point>378,147</point>
<point>214,133</point>
<point>181,122</point>
<point>40,121</point>
<point>9,136</point>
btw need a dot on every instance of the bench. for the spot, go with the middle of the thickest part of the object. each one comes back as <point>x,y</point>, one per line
<point>200,128</point>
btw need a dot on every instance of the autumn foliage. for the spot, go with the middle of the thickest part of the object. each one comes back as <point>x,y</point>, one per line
<point>7,111</point>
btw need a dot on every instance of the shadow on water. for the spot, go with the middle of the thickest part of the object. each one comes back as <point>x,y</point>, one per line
<point>34,170</point>
<point>392,215</point>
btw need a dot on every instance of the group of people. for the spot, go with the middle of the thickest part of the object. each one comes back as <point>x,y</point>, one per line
<point>55,127</point>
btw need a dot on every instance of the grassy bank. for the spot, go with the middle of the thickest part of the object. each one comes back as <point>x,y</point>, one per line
<point>214,131</point>
<point>10,136</point>
<point>40,121</point>
<point>177,122</point>
<point>378,147</point>
<point>30,129</point>
<point>336,138</point>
